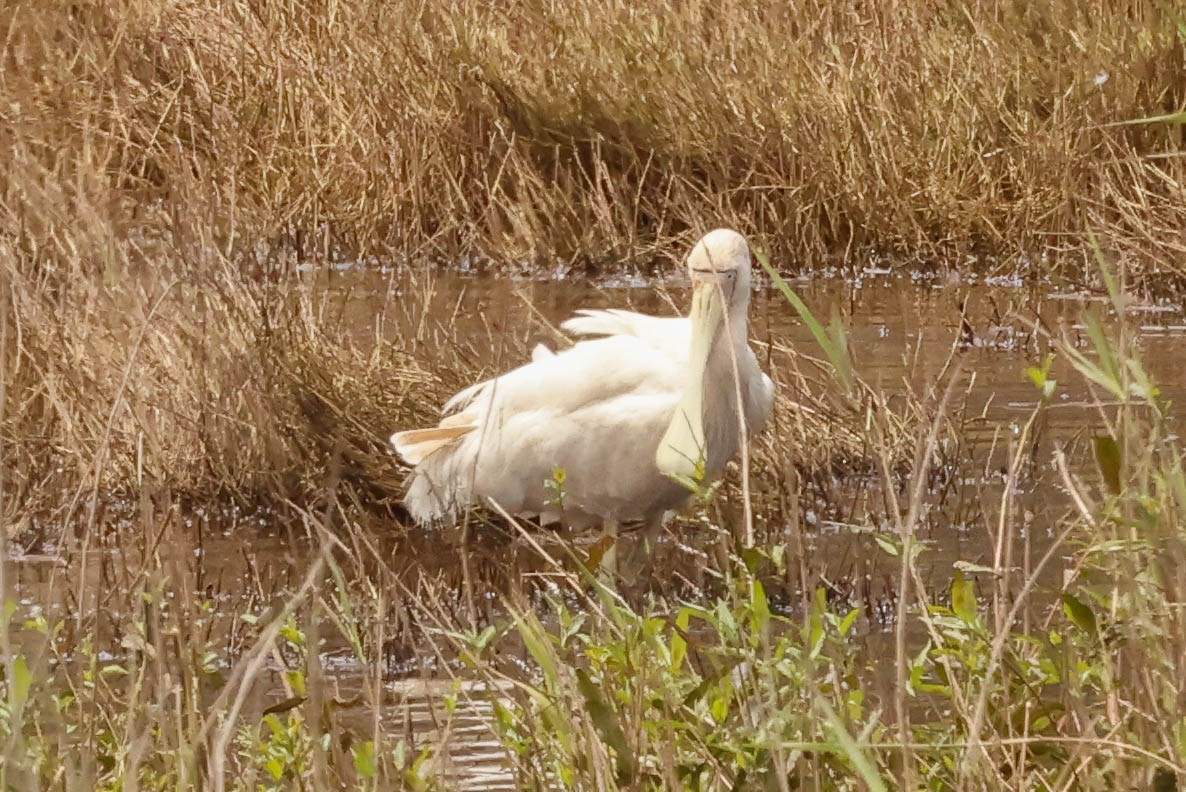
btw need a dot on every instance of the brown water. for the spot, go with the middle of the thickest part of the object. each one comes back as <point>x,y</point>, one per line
<point>905,333</point>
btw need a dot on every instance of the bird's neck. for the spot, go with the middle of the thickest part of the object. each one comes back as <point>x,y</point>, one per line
<point>721,388</point>
<point>692,446</point>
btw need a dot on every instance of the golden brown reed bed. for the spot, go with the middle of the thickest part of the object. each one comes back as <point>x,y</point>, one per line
<point>166,165</point>
<point>582,130</point>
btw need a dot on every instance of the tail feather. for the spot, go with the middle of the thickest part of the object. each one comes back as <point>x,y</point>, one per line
<point>466,418</point>
<point>597,322</point>
<point>415,445</point>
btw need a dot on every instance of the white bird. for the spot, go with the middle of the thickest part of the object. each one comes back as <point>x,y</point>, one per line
<point>604,430</point>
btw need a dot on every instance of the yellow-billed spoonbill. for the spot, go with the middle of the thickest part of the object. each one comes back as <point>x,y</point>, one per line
<point>640,403</point>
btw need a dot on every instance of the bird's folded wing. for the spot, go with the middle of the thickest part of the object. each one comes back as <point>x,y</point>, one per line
<point>671,335</point>
<point>464,397</point>
<point>415,445</point>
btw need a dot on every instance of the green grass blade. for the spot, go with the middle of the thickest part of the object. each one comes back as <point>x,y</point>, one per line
<point>834,343</point>
<point>1168,118</point>
<point>849,747</point>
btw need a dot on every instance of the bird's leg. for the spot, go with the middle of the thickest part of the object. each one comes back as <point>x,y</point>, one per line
<point>642,553</point>
<point>650,540</point>
<point>636,562</point>
<point>609,561</point>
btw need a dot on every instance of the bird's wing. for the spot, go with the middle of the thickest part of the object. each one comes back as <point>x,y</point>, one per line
<point>599,369</point>
<point>414,445</point>
<point>588,370</point>
<point>671,335</point>
<point>463,397</point>
<point>762,401</point>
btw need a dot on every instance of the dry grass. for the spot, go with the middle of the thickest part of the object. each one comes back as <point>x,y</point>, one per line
<point>182,158</point>
<point>165,167</point>
<point>581,132</point>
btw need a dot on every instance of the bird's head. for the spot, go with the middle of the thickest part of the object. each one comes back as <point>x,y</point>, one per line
<point>720,263</point>
<point>719,266</point>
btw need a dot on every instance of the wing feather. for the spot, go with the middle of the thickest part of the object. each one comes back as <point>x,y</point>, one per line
<point>415,445</point>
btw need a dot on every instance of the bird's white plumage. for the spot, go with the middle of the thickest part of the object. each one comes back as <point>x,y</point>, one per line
<point>670,335</point>
<point>599,411</point>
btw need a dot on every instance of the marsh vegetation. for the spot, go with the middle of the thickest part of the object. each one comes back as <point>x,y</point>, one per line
<point>241,243</point>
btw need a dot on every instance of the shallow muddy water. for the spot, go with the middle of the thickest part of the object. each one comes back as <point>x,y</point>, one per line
<point>905,334</point>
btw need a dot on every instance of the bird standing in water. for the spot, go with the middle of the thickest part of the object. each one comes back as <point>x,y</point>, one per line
<point>611,429</point>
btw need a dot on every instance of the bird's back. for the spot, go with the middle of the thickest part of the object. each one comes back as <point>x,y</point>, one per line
<point>572,435</point>
<point>561,436</point>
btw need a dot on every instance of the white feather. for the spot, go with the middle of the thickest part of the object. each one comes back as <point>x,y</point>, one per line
<point>596,411</point>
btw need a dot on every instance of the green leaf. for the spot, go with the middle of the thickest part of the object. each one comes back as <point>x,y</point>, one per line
<point>606,722</point>
<point>364,759</point>
<point>1040,376</point>
<point>759,606</point>
<point>535,639</point>
<point>275,768</point>
<point>400,754</point>
<point>963,597</point>
<point>1101,260</point>
<point>1109,365</point>
<point>296,679</point>
<point>849,747</point>
<point>720,709</point>
<point>888,543</point>
<point>485,637</point>
<point>1080,614</point>
<point>848,621</point>
<point>22,682</point>
<point>753,557</point>
<point>293,635</point>
<point>833,343</point>
<point>679,641</point>
<point>815,638</point>
<point>1107,458</point>
<point>778,555</point>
